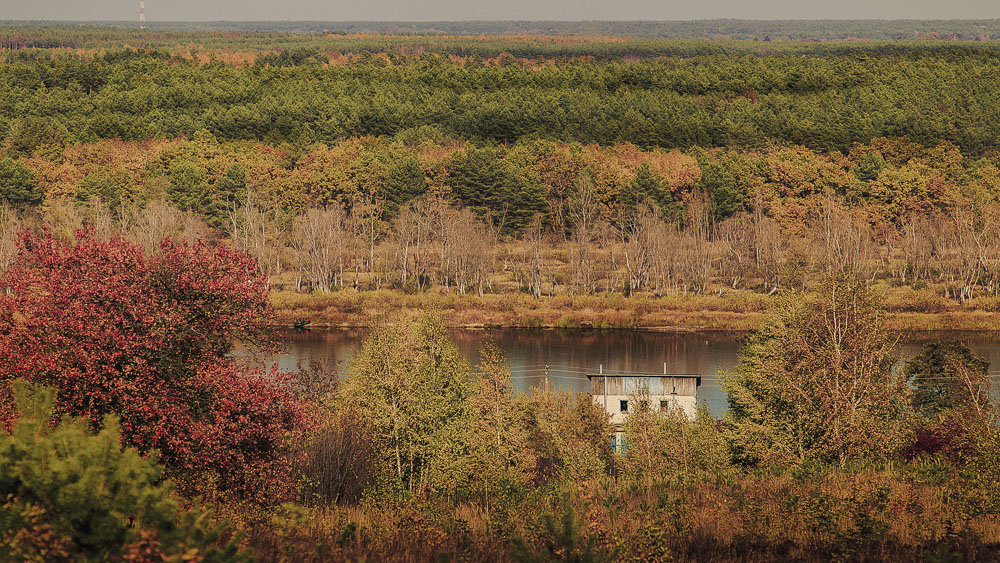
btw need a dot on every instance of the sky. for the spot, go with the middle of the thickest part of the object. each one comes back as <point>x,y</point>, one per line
<point>427,10</point>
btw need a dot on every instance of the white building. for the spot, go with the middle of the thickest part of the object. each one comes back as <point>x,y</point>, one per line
<point>621,395</point>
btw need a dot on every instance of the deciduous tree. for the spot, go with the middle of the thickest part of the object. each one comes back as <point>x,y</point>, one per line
<point>817,382</point>
<point>147,338</point>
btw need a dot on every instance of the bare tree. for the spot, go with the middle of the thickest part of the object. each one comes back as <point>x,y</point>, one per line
<point>967,246</point>
<point>367,225</point>
<point>990,247</point>
<point>635,228</point>
<point>449,236</point>
<point>583,214</point>
<point>736,235</point>
<point>847,244</point>
<point>769,248</point>
<point>64,218</point>
<point>318,238</point>
<point>100,218</point>
<point>696,244</point>
<point>149,225</point>
<point>408,236</point>
<point>472,251</point>
<point>664,242</point>
<point>535,238</point>
<point>254,228</point>
<point>917,249</point>
<point>419,227</point>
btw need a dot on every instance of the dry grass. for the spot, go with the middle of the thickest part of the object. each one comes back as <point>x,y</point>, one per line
<point>908,513</point>
<point>351,308</point>
<point>731,311</point>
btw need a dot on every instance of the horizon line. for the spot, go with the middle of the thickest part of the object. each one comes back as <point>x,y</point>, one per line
<point>388,21</point>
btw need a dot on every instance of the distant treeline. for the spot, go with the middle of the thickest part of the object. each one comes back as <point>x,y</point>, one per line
<point>826,103</point>
<point>527,44</point>
<point>821,30</point>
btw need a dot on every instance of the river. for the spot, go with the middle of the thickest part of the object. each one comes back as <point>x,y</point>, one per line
<point>571,354</point>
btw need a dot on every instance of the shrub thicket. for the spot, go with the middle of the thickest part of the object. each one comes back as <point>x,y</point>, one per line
<point>71,494</point>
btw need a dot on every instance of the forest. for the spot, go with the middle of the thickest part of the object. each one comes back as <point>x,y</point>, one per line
<point>170,198</point>
<point>645,238</point>
<point>824,100</point>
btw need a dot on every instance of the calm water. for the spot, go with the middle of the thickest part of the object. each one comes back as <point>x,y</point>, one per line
<point>571,354</point>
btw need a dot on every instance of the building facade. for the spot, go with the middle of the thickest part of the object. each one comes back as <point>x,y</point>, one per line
<point>621,395</point>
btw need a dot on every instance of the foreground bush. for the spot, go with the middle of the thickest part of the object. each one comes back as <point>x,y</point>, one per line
<point>910,512</point>
<point>70,494</point>
<point>147,338</point>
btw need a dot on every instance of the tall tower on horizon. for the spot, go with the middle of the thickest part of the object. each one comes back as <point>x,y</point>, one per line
<point>142,14</point>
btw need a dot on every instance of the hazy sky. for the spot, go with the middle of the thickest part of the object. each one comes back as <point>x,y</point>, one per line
<point>412,10</point>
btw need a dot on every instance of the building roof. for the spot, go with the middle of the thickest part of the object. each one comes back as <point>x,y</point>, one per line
<point>686,375</point>
<point>622,384</point>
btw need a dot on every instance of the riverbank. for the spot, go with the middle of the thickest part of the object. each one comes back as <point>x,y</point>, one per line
<point>735,311</point>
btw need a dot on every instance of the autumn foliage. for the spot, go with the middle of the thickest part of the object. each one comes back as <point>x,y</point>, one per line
<point>147,337</point>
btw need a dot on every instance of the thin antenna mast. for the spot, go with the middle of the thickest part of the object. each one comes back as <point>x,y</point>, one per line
<point>142,14</point>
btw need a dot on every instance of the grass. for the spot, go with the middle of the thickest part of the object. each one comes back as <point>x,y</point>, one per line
<point>737,311</point>
<point>353,308</point>
<point>893,513</point>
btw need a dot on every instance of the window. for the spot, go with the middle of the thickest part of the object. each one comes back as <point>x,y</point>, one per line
<point>618,443</point>
<point>623,406</point>
<point>644,405</point>
<point>664,406</point>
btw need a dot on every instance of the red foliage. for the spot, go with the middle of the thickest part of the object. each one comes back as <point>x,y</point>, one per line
<point>148,338</point>
<point>925,442</point>
<point>955,436</point>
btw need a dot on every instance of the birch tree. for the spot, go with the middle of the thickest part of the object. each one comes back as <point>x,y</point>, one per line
<point>318,238</point>
<point>413,385</point>
<point>498,430</point>
<point>817,382</point>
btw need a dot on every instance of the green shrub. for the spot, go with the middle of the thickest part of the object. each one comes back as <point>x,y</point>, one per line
<point>566,540</point>
<point>73,495</point>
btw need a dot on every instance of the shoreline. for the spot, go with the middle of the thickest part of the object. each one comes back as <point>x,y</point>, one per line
<point>733,313</point>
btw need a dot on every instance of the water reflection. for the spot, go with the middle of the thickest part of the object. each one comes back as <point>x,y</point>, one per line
<point>571,354</point>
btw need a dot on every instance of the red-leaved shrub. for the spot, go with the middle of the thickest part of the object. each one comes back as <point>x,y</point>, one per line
<point>148,337</point>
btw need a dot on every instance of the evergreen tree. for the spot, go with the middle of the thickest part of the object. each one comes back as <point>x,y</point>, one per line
<point>227,189</point>
<point>18,186</point>
<point>647,187</point>
<point>35,134</point>
<point>71,494</point>
<point>102,187</point>
<point>482,180</point>
<point>725,188</point>
<point>404,182</point>
<point>188,187</point>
